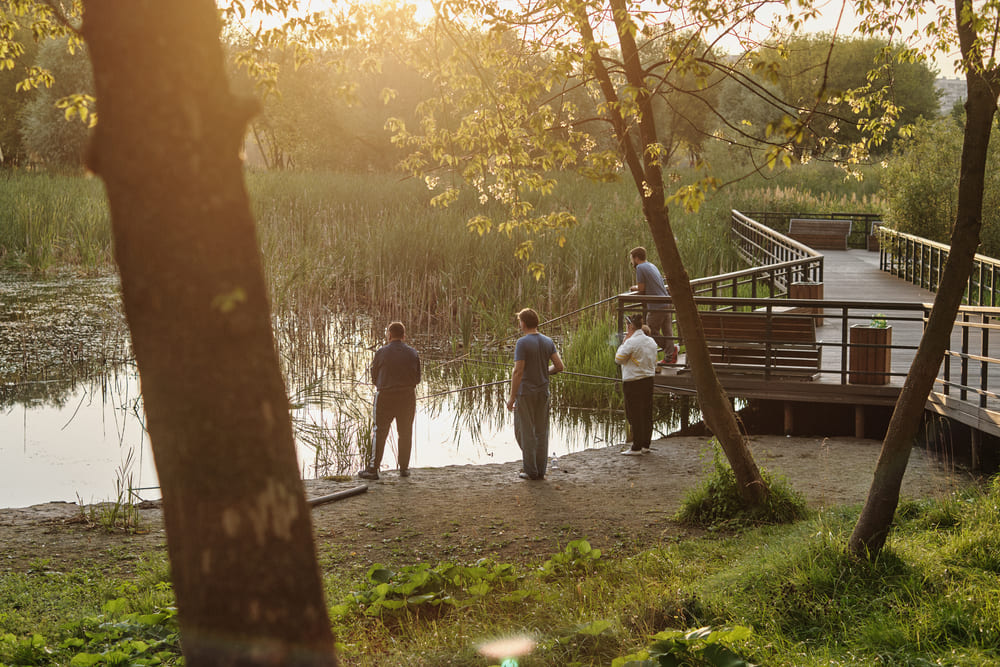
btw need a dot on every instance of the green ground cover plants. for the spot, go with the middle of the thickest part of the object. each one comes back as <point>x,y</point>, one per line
<point>771,595</point>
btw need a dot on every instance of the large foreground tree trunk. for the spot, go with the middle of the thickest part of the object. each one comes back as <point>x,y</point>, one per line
<point>873,525</point>
<point>640,157</point>
<point>239,533</point>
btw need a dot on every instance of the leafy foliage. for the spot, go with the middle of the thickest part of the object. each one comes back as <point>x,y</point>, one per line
<point>692,648</point>
<point>420,588</point>
<point>717,504</point>
<point>921,185</point>
<point>577,558</point>
<point>115,637</point>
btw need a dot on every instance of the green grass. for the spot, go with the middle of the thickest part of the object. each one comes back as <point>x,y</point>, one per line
<point>931,598</point>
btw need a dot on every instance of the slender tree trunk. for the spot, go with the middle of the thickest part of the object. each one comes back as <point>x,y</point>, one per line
<point>239,532</point>
<point>873,525</point>
<point>715,404</point>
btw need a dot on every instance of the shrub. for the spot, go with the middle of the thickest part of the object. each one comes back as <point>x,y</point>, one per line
<point>921,186</point>
<point>716,503</point>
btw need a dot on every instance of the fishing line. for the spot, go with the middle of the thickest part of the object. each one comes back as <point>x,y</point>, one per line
<point>466,358</point>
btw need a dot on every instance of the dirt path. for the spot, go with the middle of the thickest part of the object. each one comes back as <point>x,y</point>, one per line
<point>466,512</point>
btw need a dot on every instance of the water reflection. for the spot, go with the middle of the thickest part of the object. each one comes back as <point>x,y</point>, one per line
<point>73,448</point>
<point>71,412</point>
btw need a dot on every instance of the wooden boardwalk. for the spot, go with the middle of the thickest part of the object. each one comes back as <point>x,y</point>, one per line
<point>854,290</point>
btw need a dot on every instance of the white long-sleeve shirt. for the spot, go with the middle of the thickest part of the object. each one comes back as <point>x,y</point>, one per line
<point>637,356</point>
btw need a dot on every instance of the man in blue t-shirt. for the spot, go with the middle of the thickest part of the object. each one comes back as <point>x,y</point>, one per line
<point>529,393</point>
<point>395,371</point>
<point>649,281</point>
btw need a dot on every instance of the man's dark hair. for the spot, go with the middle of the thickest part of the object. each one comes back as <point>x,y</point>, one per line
<point>635,320</point>
<point>529,318</point>
<point>396,330</point>
<point>639,253</point>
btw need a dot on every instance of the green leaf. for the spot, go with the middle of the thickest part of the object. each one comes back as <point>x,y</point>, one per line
<point>116,606</point>
<point>593,628</point>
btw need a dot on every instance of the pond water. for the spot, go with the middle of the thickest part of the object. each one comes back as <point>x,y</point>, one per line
<point>71,415</point>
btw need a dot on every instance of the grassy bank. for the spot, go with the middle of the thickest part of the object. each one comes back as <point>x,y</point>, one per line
<point>930,599</point>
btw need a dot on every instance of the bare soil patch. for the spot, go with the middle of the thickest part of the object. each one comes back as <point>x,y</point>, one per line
<point>462,513</point>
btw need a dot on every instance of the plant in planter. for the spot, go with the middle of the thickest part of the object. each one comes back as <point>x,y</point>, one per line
<point>870,351</point>
<point>878,322</point>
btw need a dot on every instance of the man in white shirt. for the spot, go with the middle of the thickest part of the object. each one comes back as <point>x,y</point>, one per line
<point>637,357</point>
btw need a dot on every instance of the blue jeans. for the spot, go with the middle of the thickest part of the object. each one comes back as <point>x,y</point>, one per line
<point>531,430</point>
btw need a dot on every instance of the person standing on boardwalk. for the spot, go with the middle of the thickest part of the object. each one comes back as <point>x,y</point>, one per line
<point>649,281</point>
<point>637,357</point>
<point>529,393</point>
<point>395,370</point>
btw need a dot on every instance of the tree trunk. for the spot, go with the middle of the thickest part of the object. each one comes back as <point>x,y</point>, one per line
<point>873,525</point>
<point>239,532</point>
<point>715,404</point>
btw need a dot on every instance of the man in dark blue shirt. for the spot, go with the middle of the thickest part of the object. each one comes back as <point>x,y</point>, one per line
<point>395,370</point>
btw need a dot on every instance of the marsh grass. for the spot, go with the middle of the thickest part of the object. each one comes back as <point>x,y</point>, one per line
<point>49,220</point>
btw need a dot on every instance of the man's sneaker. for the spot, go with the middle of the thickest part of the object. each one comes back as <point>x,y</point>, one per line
<point>404,472</point>
<point>647,450</point>
<point>368,474</point>
<point>631,452</point>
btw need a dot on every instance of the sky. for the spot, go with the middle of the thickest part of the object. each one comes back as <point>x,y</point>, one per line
<point>831,12</point>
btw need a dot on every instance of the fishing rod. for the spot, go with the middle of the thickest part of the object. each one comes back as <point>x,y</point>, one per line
<point>546,323</point>
<point>455,391</point>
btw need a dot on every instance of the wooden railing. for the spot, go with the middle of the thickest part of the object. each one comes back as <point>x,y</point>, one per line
<point>776,260</point>
<point>846,314</point>
<point>966,372</point>
<point>862,224</point>
<point>921,262</point>
<point>969,374</point>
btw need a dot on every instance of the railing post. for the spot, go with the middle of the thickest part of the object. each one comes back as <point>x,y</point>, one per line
<point>984,351</point>
<point>946,360</point>
<point>968,289</point>
<point>621,319</point>
<point>993,285</point>
<point>964,392</point>
<point>844,335</point>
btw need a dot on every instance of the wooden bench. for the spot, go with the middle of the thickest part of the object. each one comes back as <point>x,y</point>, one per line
<point>820,234</point>
<point>777,346</point>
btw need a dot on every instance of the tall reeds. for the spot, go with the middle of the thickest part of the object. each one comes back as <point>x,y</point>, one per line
<point>49,221</point>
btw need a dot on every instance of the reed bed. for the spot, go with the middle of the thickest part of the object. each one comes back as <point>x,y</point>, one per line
<point>50,220</point>
<point>372,244</point>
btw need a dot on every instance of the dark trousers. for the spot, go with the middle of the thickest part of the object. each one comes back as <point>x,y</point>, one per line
<point>399,405</point>
<point>639,411</point>
<point>531,430</point>
<point>661,327</point>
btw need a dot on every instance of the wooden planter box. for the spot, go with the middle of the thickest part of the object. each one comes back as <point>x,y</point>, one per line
<point>870,355</point>
<point>873,244</point>
<point>808,290</point>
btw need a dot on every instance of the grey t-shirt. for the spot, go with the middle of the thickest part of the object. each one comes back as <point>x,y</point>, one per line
<point>535,350</point>
<point>649,276</point>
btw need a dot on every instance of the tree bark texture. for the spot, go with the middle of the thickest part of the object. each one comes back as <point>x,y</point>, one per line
<point>870,533</point>
<point>715,404</point>
<point>239,532</point>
